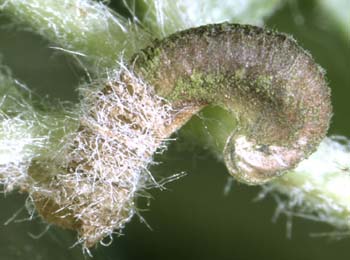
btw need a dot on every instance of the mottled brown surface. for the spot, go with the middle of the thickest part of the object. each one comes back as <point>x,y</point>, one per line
<point>272,86</point>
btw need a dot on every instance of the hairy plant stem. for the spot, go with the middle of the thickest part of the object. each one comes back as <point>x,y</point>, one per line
<point>84,28</point>
<point>90,30</point>
<point>27,131</point>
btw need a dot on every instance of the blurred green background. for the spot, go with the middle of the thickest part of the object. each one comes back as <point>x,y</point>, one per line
<point>193,219</point>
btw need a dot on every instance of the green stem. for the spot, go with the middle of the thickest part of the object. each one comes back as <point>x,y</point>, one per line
<point>27,131</point>
<point>319,186</point>
<point>84,28</point>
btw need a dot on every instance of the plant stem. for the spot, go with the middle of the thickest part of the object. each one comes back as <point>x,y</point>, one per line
<point>26,131</point>
<point>316,188</point>
<point>84,28</point>
<point>319,187</point>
